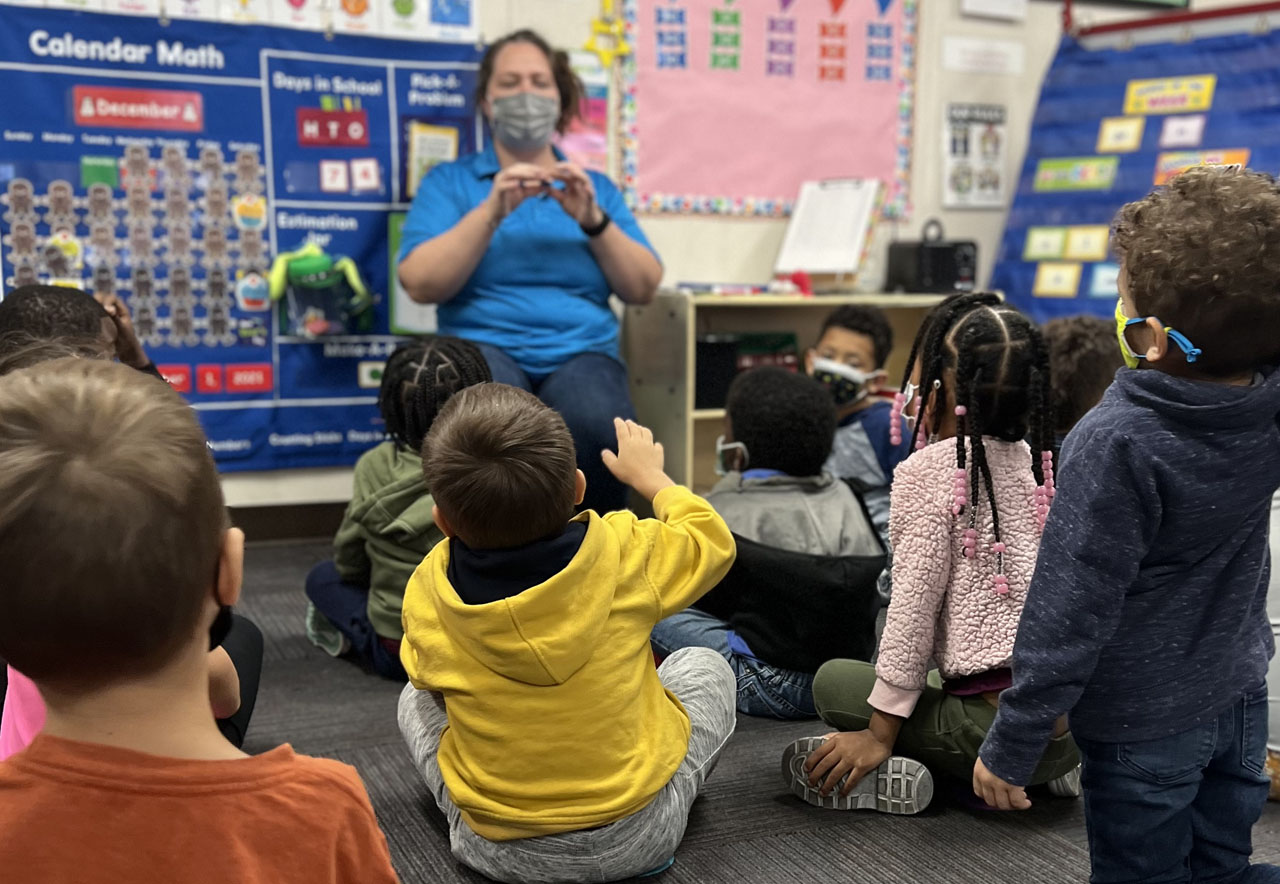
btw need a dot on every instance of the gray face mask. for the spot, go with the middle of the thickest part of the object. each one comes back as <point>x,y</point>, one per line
<point>524,122</point>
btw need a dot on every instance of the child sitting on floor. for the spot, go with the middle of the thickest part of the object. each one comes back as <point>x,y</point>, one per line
<point>534,712</point>
<point>849,360</point>
<point>779,427</point>
<point>965,524</point>
<point>118,570</point>
<point>1146,620</point>
<point>354,601</point>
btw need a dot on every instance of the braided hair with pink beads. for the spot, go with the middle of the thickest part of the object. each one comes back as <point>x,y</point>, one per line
<point>992,361</point>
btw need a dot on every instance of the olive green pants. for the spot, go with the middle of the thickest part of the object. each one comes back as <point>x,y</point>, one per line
<point>944,732</point>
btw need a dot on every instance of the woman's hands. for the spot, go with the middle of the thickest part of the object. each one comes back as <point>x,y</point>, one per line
<point>520,181</point>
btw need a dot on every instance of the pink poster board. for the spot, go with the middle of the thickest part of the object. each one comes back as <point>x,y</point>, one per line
<point>730,105</point>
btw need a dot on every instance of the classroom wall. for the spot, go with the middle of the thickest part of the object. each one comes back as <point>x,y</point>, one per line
<point>742,250</point>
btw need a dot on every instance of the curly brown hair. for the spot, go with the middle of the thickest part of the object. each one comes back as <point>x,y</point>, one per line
<point>1083,358</point>
<point>567,82</point>
<point>1203,254</point>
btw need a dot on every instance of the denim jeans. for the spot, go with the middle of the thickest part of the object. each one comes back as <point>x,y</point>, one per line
<point>589,391</point>
<point>1180,808</point>
<point>347,608</point>
<point>763,690</point>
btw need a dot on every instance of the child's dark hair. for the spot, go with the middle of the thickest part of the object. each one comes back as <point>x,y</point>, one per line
<point>50,311</point>
<point>999,365</point>
<point>1083,358</point>
<point>786,420</point>
<point>1202,254</point>
<point>869,321</point>
<point>567,81</point>
<point>419,378</point>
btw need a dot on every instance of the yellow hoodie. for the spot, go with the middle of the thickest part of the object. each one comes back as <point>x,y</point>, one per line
<point>557,718</point>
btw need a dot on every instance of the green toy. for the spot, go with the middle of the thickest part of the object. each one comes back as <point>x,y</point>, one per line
<point>322,295</point>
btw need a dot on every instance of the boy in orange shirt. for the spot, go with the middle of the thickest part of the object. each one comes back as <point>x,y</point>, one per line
<point>119,568</point>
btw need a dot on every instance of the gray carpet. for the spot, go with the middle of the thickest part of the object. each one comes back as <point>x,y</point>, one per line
<point>746,828</point>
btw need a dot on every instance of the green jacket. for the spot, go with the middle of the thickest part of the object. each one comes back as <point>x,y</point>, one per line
<point>387,532</point>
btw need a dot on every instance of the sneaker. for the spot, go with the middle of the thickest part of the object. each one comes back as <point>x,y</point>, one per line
<point>899,786</point>
<point>324,635</point>
<point>1067,785</point>
<point>658,870</point>
<point>1272,769</point>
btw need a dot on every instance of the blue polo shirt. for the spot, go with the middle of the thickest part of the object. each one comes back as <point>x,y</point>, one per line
<point>538,293</point>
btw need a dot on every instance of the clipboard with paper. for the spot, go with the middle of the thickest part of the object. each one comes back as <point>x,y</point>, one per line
<point>830,227</point>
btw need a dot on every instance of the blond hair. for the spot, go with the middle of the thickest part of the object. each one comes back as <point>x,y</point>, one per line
<point>111,521</point>
<point>500,465</point>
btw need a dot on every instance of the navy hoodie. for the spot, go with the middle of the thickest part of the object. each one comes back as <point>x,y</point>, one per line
<point>1146,615</point>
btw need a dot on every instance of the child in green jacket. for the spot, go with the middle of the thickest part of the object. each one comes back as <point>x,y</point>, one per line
<point>355,600</point>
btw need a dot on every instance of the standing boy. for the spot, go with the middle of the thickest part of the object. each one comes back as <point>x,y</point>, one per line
<point>1146,617</point>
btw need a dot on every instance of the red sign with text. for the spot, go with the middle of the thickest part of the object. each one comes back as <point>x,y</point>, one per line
<point>209,378</point>
<point>178,376</point>
<point>120,108</point>
<point>249,378</point>
<point>332,128</point>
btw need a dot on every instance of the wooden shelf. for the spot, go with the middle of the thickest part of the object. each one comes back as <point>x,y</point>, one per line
<point>870,300</point>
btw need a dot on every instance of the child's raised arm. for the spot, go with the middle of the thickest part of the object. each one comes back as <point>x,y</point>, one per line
<point>690,548</point>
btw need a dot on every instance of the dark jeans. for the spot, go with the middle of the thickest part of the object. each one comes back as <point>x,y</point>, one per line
<point>589,391</point>
<point>243,645</point>
<point>1180,808</point>
<point>347,607</point>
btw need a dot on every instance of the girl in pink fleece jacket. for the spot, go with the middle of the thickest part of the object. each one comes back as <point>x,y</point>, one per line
<point>965,520</point>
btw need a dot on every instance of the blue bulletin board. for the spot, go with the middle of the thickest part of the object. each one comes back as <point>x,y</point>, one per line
<point>1111,125</point>
<point>170,164</point>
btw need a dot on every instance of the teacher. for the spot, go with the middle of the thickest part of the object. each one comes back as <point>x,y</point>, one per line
<point>521,249</point>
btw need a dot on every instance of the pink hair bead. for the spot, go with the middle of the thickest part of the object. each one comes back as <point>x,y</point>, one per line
<point>998,547</point>
<point>900,398</point>
<point>961,411</point>
<point>920,443</point>
<point>957,508</point>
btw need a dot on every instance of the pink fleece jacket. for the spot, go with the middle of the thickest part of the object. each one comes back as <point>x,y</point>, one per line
<point>943,605</point>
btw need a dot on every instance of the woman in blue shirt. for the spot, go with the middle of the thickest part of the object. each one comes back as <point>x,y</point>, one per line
<point>521,249</point>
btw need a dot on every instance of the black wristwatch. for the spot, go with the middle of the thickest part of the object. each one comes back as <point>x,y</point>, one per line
<point>593,232</point>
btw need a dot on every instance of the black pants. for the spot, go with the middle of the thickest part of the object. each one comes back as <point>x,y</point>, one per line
<point>243,645</point>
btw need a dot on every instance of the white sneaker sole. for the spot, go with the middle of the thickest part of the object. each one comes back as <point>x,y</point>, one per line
<point>899,786</point>
<point>1067,785</point>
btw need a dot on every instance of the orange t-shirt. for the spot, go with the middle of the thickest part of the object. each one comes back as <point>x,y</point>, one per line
<point>94,814</point>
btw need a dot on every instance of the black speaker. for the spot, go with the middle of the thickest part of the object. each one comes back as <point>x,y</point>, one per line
<point>933,265</point>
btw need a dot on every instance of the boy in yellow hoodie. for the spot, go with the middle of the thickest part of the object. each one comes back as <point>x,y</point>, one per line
<point>554,748</point>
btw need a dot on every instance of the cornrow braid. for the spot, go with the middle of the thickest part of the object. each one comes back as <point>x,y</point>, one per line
<point>419,378</point>
<point>998,363</point>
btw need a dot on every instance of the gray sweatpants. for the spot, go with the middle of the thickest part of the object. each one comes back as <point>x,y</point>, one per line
<point>630,846</point>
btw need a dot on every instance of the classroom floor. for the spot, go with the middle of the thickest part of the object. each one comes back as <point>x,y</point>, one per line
<point>746,828</point>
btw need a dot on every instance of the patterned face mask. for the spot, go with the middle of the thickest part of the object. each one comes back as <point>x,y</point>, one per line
<point>1130,357</point>
<point>846,383</point>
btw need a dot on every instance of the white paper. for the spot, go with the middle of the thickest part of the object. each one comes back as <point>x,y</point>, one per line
<point>92,5</point>
<point>829,227</point>
<point>410,316</point>
<point>1006,10</point>
<point>1182,131</point>
<point>206,10</point>
<point>309,15</point>
<point>404,18</point>
<point>133,7</point>
<point>975,173</point>
<point>452,20</point>
<point>246,11</point>
<point>357,16</point>
<point>971,55</point>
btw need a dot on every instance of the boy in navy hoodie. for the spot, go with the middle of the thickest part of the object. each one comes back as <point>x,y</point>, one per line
<point>1146,618</point>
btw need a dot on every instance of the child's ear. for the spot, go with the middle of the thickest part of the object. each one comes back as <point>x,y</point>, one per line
<point>441,522</point>
<point>579,487</point>
<point>808,360</point>
<point>1159,340</point>
<point>230,568</point>
<point>877,381</point>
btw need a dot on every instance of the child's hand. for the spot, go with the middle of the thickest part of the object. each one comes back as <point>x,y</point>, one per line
<point>996,792</point>
<point>855,753</point>
<point>128,347</point>
<point>638,462</point>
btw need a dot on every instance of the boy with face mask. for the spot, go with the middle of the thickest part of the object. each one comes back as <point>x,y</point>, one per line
<point>849,361</point>
<point>1146,617</point>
